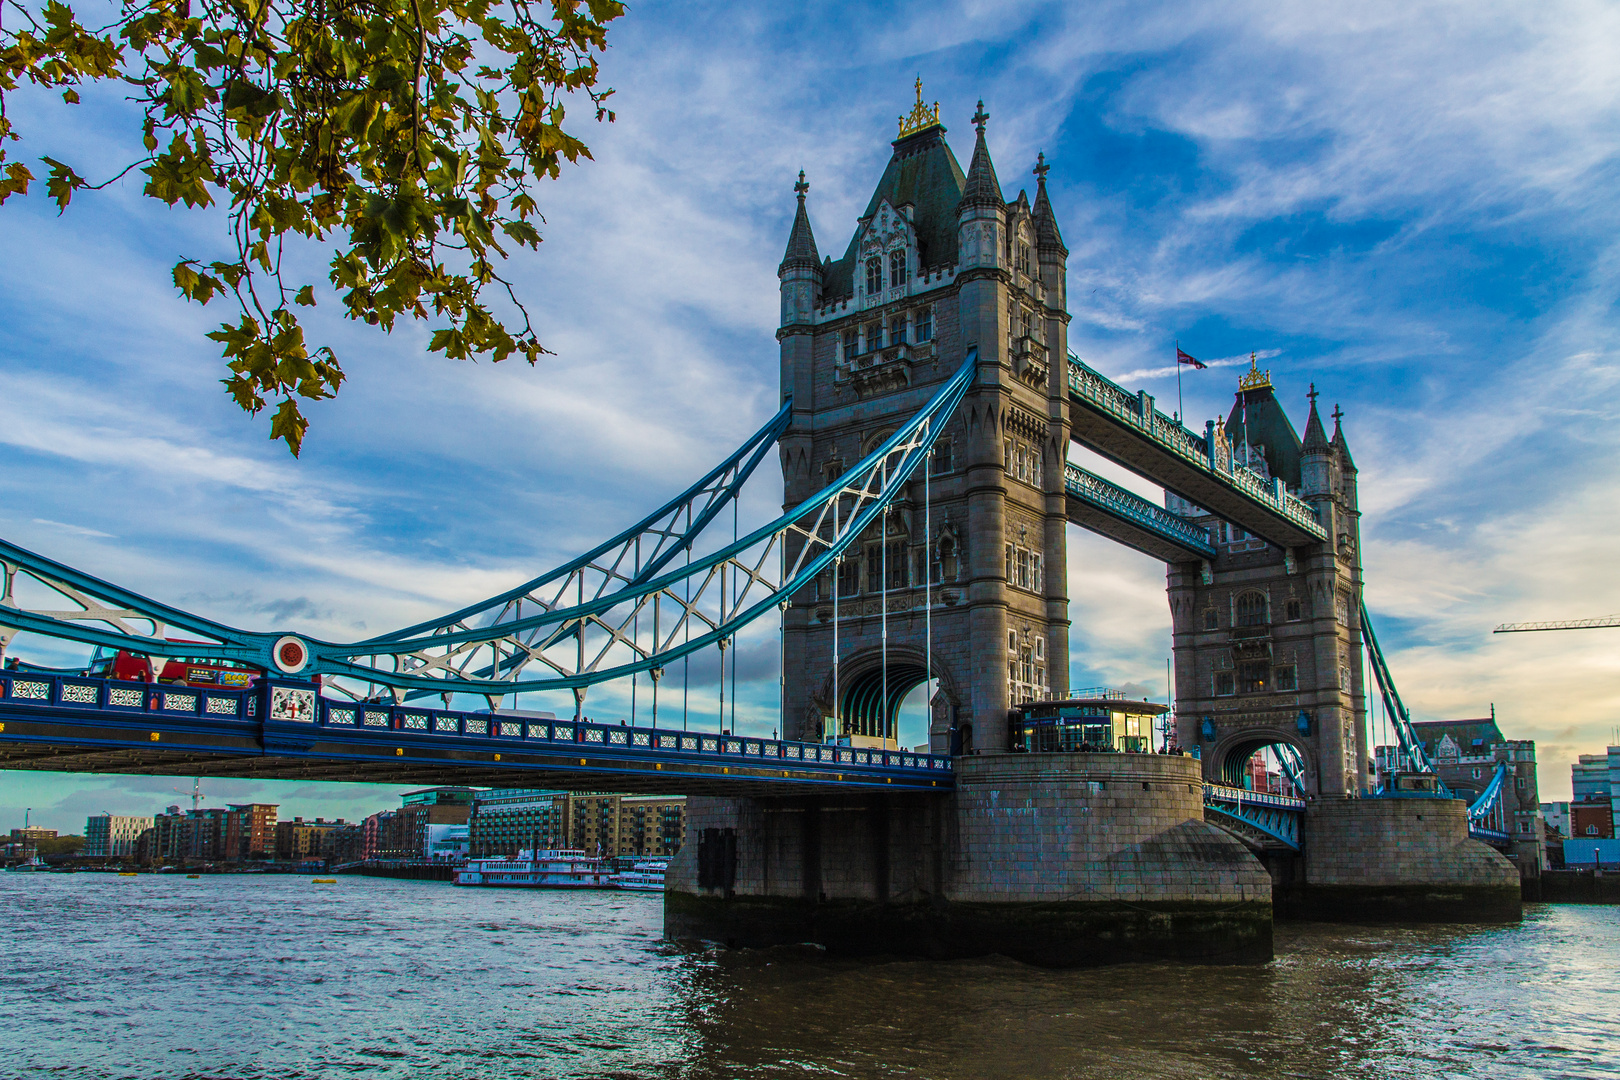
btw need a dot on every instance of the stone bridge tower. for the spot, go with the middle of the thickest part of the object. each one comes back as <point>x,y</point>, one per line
<point>1268,639</point>
<point>940,263</point>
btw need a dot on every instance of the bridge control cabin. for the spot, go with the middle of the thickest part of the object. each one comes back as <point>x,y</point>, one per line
<point>1093,721</point>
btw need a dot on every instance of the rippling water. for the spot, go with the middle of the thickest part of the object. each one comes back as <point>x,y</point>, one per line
<point>276,977</point>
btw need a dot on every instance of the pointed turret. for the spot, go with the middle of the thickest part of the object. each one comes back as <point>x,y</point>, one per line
<point>983,188</point>
<point>801,246</point>
<point>801,273</point>
<point>1047,236</point>
<point>1315,456</point>
<point>1340,446</point>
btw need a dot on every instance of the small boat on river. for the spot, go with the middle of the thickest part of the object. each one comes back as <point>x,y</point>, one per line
<point>643,876</point>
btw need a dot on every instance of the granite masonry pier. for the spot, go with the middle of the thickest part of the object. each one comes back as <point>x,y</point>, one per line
<point>1059,860</point>
<point>1398,860</point>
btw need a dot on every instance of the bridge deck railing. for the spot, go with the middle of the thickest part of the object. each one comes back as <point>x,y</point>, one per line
<point>122,700</point>
<point>1136,411</point>
<point>1223,793</point>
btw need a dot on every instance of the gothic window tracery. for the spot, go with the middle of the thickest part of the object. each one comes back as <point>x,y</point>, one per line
<point>925,324</point>
<point>874,276</point>
<point>897,268</point>
<point>1251,609</point>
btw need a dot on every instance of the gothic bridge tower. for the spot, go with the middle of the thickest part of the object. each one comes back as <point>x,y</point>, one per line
<point>1267,638</point>
<point>940,263</point>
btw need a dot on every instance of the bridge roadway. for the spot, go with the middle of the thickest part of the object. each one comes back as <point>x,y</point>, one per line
<point>1127,429</point>
<point>287,731</point>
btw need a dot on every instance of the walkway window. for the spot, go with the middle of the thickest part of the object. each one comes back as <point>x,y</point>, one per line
<point>1286,678</point>
<point>925,324</point>
<point>1223,684</point>
<point>944,566</point>
<point>874,276</point>
<point>1251,609</point>
<point>897,269</point>
<point>1252,676</point>
<point>849,576</point>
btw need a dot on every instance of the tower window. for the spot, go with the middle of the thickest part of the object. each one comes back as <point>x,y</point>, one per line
<point>1036,580</point>
<point>1023,259</point>
<point>897,330</point>
<point>1007,456</point>
<point>942,457</point>
<point>849,576</point>
<point>1223,684</point>
<point>1035,465</point>
<point>1251,609</point>
<point>852,343</point>
<point>925,324</point>
<point>874,337</point>
<point>874,275</point>
<point>897,269</point>
<point>1286,678</point>
<point>1018,457</point>
<point>944,568</point>
<point>1291,610</point>
<point>1022,566</point>
<point>1211,619</point>
<point>1252,676</point>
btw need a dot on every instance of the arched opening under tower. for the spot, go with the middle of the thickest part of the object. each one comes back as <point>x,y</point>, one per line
<point>872,702</point>
<point>1264,763</point>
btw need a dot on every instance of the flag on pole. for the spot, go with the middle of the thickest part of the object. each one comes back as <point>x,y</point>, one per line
<point>1183,358</point>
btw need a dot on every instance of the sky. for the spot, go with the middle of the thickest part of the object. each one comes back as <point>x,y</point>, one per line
<point>1409,204</point>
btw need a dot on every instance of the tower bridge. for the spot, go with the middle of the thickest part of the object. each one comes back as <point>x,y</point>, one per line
<point>929,402</point>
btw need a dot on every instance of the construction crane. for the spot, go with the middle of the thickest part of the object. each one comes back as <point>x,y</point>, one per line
<point>196,793</point>
<point>1562,624</point>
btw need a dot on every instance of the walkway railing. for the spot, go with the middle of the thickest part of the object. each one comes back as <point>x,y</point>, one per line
<point>1277,816</point>
<point>1131,507</point>
<point>151,706</point>
<point>1136,411</point>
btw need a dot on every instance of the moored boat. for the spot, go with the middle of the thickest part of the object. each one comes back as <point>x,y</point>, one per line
<point>643,876</point>
<point>563,868</point>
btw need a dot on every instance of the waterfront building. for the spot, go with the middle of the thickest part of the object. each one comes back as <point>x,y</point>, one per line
<point>422,810</point>
<point>24,843</point>
<point>297,840</point>
<point>238,833</point>
<point>113,836</point>
<point>612,825</point>
<point>447,843</point>
<point>1466,754</point>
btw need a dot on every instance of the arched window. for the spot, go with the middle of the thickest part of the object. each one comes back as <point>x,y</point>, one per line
<point>1292,608</point>
<point>897,269</point>
<point>874,275</point>
<point>1251,609</point>
<point>944,568</point>
<point>925,324</point>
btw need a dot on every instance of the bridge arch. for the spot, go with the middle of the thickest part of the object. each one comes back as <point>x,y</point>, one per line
<point>1232,751</point>
<point>863,705</point>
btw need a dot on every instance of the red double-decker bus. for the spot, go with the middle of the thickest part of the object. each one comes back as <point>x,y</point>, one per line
<point>178,670</point>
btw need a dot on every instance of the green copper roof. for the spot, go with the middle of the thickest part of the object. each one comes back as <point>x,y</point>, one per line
<point>923,172</point>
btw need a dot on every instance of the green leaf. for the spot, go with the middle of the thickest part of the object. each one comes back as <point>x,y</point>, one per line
<point>306,296</point>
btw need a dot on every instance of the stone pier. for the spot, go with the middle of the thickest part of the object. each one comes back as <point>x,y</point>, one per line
<point>1398,860</point>
<point>1054,859</point>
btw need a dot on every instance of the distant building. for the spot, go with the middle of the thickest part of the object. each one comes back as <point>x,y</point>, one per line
<point>113,836</point>
<point>1466,754</point>
<point>238,833</point>
<point>24,843</point>
<point>298,840</point>
<point>1556,815</point>
<point>1595,780</point>
<point>612,825</point>
<point>420,810</point>
<point>446,842</point>
<point>1591,821</point>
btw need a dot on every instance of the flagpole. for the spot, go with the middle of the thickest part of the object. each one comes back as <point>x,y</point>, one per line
<point>1181,410</point>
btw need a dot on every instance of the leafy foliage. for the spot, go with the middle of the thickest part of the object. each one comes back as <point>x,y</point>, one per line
<point>407,130</point>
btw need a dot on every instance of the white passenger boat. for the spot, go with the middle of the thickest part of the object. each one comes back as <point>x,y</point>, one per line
<point>643,876</point>
<point>556,869</point>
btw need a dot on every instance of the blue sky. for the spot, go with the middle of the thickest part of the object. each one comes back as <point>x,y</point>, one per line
<point>1410,204</point>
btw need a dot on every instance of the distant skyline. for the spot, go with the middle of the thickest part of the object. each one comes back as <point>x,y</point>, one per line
<point>1410,205</point>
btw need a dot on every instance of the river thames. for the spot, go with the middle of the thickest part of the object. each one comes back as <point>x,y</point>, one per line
<point>277,977</point>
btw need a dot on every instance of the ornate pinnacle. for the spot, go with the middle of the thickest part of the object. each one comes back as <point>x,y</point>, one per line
<point>1255,379</point>
<point>980,117</point>
<point>1041,167</point>
<point>801,187</point>
<point>922,116</point>
<point>1313,395</point>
